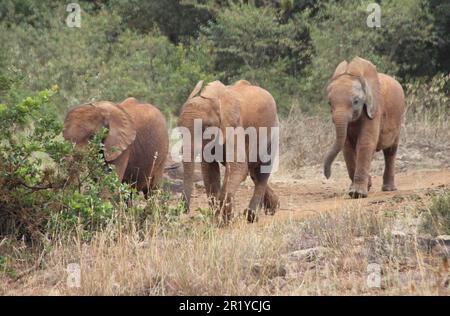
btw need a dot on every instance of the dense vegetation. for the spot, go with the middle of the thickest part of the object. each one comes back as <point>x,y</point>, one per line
<point>156,51</point>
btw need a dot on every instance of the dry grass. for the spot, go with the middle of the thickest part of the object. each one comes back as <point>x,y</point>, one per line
<point>327,254</point>
<point>192,257</point>
<point>305,140</point>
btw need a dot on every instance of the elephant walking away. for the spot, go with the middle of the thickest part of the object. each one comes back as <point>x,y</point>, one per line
<point>137,142</point>
<point>241,105</point>
<point>368,109</point>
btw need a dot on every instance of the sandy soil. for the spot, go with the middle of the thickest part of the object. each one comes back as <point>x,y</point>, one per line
<point>312,193</point>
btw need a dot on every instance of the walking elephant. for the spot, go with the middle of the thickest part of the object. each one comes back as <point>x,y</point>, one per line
<point>244,106</point>
<point>368,110</point>
<point>137,141</point>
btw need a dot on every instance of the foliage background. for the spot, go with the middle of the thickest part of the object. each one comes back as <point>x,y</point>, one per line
<point>157,50</point>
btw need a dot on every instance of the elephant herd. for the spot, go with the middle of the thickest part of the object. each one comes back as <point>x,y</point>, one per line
<point>367,110</point>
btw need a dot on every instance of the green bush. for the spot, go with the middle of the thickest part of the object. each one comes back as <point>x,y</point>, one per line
<point>102,61</point>
<point>35,13</point>
<point>45,184</point>
<point>404,45</point>
<point>178,20</point>
<point>156,51</point>
<point>428,96</point>
<point>440,14</point>
<point>254,43</point>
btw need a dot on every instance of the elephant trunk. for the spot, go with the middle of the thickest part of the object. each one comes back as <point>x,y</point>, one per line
<point>188,173</point>
<point>341,123</point>
<point>189,153</point>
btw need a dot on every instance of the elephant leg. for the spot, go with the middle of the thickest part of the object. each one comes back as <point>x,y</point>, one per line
<point>271,201</point>
<point>350,159</point>
<point>361,179</point>
<point>211,179</point>
<point>260,180</point>
<point>156,178</point>
<point>235,173</point>
<point>389,169</point>
<point>149,183</point>
<point>146,192</point>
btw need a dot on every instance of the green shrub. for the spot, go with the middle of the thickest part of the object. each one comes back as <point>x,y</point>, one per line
<point>178,20</point>
<point>428,96</point>
<point>404,45</point>
<point>254,43</point>
<point>45,184</point>
<point>35,13</point>
<point>102,60</point>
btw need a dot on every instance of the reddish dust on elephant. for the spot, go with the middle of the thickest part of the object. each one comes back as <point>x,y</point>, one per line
<point>368,109</point>
<point>241,105</point>
<point>137,143</point>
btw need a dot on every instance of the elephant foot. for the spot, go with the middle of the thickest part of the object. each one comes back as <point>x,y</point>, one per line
<point>271,206</point>
<point>223,217</point>
<point>369,186</point>
<point>357,193</point>
<point>251,215</point>
<point>388,187</point>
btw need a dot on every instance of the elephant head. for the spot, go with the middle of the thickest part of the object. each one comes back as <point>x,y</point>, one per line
<point>216,106</point>
<point>353,88</point>
<point>84,121</point>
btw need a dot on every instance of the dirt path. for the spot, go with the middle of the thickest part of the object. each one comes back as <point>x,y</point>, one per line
<point>305,197</point>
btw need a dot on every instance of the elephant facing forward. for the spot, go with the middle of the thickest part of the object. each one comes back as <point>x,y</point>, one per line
<point>223,107</point>
<point>367,109</point>
<point>137,141</point>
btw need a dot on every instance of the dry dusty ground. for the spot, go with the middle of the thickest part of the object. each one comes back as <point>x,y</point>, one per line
<point>312,193</point>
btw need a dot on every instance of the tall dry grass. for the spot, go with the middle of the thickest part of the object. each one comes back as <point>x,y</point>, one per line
<point>327,254</point>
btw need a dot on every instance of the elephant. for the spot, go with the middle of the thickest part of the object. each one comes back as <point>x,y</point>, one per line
<point>137,143</point>
<point>368,110</point>
<point>239,105</point>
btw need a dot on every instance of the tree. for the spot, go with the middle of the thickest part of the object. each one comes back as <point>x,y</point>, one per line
<point>255,44</point>
<point>440,11</point>
<point>176,19</point>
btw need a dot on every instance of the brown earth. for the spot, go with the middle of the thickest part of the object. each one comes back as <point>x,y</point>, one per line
<point>313,194</point>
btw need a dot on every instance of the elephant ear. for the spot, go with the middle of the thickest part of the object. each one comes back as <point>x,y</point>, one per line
<point>340,69</point>
<point>129,102</point>
<point>242,82</point>
<point>368,76</point>
<point>196,90</point>
<point>122,132</point>
<point>82,122</point>
<point>226,103</point>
